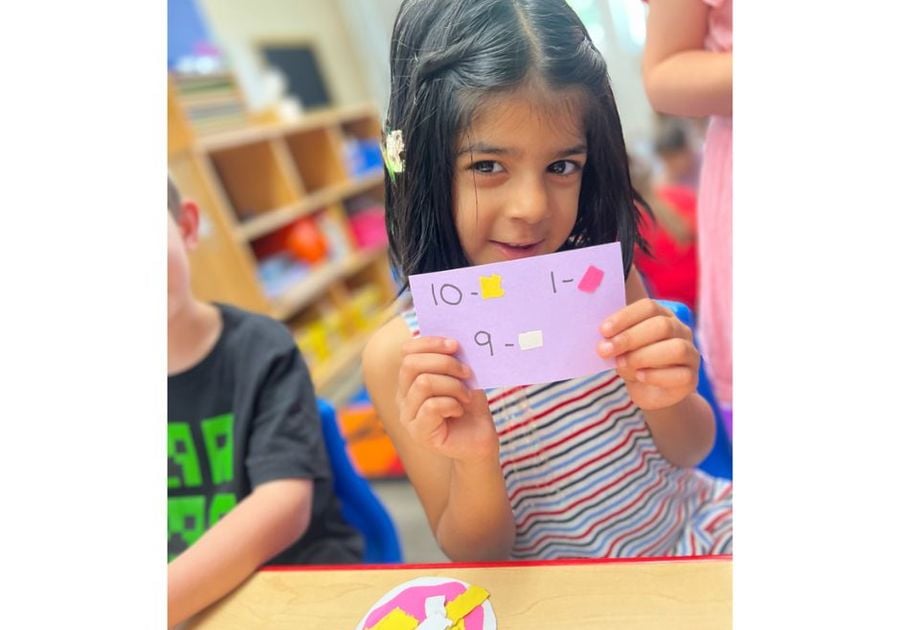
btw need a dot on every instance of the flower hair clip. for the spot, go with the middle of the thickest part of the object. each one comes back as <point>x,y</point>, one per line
<point>393,151</point>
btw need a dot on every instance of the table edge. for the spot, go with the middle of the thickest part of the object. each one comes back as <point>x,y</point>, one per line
<point>495,564</point>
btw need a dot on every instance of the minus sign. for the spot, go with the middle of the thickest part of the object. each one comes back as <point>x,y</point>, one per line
<point>569,280</point>
<point>474,292</point>
<point>510,345</point>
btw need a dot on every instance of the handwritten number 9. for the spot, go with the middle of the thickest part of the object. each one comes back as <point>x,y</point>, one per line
<point>483,338</point>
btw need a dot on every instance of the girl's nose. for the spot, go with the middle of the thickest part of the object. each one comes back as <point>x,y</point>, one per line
<point>529,201</point>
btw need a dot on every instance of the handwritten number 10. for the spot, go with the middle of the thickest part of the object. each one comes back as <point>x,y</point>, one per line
<point>447,294</point>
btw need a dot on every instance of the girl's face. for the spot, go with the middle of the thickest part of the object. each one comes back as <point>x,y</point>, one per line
<point>518,175</point>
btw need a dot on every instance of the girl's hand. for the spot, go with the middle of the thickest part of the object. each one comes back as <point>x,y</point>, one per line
<point>437,408</point>
<point>654,353</point>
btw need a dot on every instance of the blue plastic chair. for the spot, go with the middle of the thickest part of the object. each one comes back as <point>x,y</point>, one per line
<point>718,462</point>
<point>361,508</point>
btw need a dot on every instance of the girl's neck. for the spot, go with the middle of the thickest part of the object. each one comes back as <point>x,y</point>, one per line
<point>193,332</point>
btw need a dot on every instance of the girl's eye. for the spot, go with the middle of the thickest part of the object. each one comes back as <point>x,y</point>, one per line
<point>564,167</point>
<point>487,166</point>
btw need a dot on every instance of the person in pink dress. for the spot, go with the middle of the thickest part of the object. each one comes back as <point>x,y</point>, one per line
<point>687,71</point>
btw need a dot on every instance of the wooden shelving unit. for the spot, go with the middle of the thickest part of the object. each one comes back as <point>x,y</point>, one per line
<point>275,219</point>
<point>252,184</point>
<point>326,375</point>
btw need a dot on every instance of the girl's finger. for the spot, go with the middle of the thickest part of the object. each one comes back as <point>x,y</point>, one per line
<point>667,377</point>
<point>427,386</point>
<point>668,353</point>
<point>429,363</point>
<point>431,415</point>
<point>644,333</point>
<point>440,345</point>
<point>631,315</point>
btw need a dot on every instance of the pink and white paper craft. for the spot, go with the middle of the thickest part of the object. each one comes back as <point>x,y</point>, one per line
<point>425,600</point>
<point>520,322</point>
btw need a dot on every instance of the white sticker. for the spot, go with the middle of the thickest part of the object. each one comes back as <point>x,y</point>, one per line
<point>435,614</point>
<point>531,340</point>
<point>204,228</point>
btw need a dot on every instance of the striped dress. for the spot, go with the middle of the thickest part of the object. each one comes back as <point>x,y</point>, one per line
<point>585,479</point>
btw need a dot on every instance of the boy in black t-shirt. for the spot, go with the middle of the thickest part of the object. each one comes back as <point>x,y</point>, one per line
<point>249,480</point>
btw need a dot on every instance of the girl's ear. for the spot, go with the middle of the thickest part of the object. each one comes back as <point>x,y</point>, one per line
<point>189,223</point>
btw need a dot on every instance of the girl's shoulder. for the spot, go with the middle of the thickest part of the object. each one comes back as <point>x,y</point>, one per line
<point>383,351</point>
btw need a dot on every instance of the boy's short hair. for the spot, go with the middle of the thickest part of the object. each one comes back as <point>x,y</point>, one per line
<point>174,199</point>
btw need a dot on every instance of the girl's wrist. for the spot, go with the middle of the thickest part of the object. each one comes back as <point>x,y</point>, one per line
<point>476,468</point>
<point>673,410</point>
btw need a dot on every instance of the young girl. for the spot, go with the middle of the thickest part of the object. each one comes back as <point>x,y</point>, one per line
<point>512,147</point>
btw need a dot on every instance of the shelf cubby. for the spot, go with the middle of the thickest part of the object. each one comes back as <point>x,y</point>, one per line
<point>317,156</point>
<point>362,128</point>
<point>254,179</point>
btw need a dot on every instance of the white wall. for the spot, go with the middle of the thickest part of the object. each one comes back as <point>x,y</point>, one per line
<point>623,60</point>
<point>371,22</point>
<point>238,24</point>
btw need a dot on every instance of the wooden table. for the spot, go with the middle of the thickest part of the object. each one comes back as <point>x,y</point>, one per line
<point>671,593</point>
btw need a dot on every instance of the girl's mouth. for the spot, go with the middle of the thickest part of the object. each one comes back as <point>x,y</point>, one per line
<point>512,251</point>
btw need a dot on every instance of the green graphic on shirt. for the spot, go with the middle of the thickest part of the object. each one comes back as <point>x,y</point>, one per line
<point>186,520</point>
<point>183,455</point>
<point>218,437</point>
<point>221,505</point>
<point>191,515</point>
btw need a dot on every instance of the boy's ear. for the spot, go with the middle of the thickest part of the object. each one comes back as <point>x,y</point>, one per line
<point>189,223</point>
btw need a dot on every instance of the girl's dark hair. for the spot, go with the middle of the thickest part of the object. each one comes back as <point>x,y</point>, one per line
<point>448,54</point>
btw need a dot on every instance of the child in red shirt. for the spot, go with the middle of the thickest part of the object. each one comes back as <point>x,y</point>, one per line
<point>670,271</point>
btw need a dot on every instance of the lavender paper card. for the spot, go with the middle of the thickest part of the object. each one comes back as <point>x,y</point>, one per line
<point>520,322</point>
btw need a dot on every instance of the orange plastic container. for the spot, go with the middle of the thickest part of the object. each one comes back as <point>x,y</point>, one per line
<point>369,447</point>
<point>306,242</point>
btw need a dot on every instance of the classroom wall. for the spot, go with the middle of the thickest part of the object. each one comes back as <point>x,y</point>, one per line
<point>353,41</point>
<point>623,60</point>
<point>236,25</point>
<point>371,23</point>
<point>186,29</point>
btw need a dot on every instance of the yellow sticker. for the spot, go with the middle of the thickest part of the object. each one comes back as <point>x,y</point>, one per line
<point>396,620</point>
<point>464,603</point>
<point>490,287</point>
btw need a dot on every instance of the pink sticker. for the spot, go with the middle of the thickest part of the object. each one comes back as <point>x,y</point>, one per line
<point>591,280</point>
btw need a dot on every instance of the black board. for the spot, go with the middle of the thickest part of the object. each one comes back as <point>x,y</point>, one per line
<point>301,69</point>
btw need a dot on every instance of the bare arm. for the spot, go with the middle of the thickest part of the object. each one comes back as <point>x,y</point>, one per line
<point>477,521</point>
<point>446,438</point>
<point>681,77</point>
<point>271,518</point>
<point>684,433</point>
<point>660,364</point>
